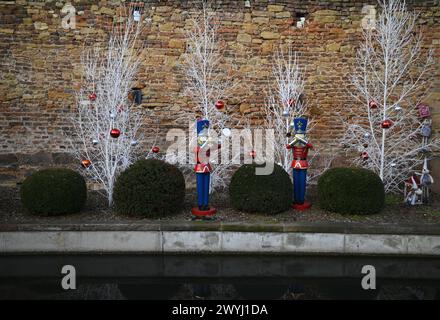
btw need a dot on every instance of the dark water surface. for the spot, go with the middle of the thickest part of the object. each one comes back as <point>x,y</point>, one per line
<point>217,277</point>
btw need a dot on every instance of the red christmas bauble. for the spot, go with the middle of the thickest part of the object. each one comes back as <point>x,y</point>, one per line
<point>85,163</point>
<point>92,96</point>
<point>253,154</point>
<point>155,149</point>
<point>364,155</point>
<point>291,102</point>
<point>289,147</point>
<point>386,124</point>
<point>372,104</point>
<point>219,105</point>
<point>115,133</point>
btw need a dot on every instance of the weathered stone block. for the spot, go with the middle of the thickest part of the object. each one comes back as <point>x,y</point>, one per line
<point>283,15</point>
<point>325,16</point>
<point>36,159</point>
<point>275,8</point>
<point>107,11</point>
<point>333,47</point>
<point>40,25</point>
<point>269,35</point>
<point>244,38</point>
<point>8,160</point>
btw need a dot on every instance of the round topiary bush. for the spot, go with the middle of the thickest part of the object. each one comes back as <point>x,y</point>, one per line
<point>54,191</point>
<point>149,188</point>
<point>351,190</point>
<point>260,193</point>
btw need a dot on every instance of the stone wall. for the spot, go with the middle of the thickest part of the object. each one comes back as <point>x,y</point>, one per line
<point>39,65</point>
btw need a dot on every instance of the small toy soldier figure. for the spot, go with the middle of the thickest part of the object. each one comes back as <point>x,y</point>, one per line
<point>299,164</point>
<point>414,195</point>
<point>203,170</point>
<point>426,180</point>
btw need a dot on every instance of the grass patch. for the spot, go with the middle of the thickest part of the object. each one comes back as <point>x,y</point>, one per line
<point>393,199</point>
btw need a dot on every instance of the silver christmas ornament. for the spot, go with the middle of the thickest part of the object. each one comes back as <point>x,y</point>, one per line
<point>285,113</point>
<point>426,131</point>
<point>136,16</point>
<point>226,132</point>
<point>112,115</point>
<point>95,142</point>
<point>398,107</point>
<point>134,143</point>
<point>366,135</point>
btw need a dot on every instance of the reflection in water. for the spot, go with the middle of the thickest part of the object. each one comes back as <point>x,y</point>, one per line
<point>217,291</point>
<point>217,277</point>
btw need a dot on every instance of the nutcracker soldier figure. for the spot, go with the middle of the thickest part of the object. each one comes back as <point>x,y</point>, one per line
<point>300,147</point>
<point>203,171</point>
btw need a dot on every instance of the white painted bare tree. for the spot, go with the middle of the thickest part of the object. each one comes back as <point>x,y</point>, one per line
<point>106,123</point>
<point>391,77</point>
<point>284,103</point>
<point>208,80</point>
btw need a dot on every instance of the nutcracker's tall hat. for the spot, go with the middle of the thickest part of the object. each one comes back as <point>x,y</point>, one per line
<point>300,125</point>
<point>414,183</point>
<point>202,125</point>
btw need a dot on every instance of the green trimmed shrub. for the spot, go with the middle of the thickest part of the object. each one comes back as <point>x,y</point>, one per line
<point>149,188</point>
<point>260,193</point>
<point>54,191</point>
<point>351,190</point>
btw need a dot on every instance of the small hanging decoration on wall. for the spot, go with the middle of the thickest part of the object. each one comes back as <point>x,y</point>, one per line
<point>115,133</point>
<point>386,124</point>
<point>300,24</point>
<point>219,105</point>
<point>424,111</point>
<point>365,155</point>
<point>92,96</point>
<point>85,163</point>
<point>372,104</point>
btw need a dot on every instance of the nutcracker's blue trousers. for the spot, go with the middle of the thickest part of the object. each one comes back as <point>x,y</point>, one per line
<point>299,185</point>
<point>203,189</point>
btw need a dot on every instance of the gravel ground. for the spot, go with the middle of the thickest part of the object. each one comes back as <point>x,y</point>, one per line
<point>11,211</point>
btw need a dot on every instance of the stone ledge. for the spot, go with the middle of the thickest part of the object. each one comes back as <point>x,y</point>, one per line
<point>217,242</point>
<point>307,227</point>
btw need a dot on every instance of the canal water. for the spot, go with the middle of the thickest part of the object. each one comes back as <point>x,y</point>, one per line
<point>217,277</point>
